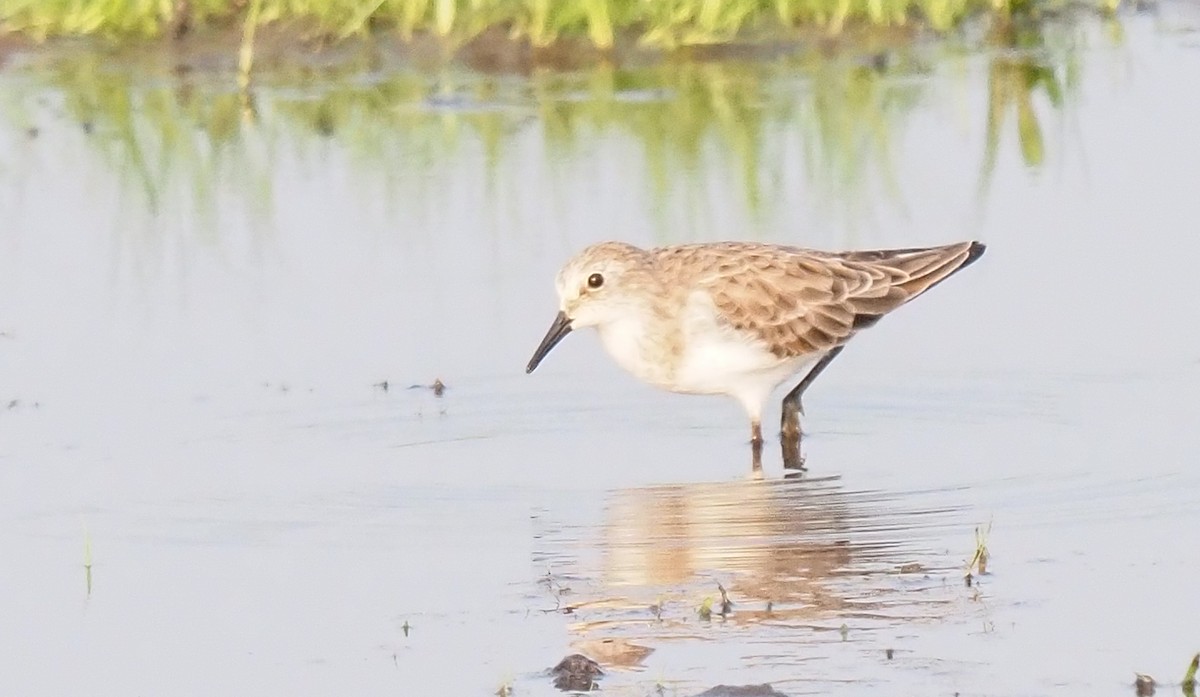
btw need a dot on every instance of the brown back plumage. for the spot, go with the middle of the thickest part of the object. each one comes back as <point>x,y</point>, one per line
<point>802,301</point>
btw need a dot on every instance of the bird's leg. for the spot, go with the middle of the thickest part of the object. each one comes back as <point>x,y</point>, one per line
<point>756,443</point>
<point>789,421</point>
<point>792,459</point>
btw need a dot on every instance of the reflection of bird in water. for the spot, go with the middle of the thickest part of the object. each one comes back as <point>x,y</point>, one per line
<point>806,547</point>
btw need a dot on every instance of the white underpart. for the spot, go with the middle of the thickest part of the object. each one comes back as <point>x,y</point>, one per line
<point>716,359</point>
<point>721,360</point>
<point>624,339</point>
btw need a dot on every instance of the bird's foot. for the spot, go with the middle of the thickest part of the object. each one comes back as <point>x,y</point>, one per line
<point>756,456</point>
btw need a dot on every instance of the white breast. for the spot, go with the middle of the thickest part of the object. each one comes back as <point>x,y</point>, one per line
<point>626,342</point>
<point>714,359</point>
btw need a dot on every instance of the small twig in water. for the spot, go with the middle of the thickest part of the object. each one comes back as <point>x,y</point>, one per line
<point>657,609</point>
<point>557,590</point>
<point>726,604</point>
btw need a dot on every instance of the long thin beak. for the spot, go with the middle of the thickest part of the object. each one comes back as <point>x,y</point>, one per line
<point>560,328</point>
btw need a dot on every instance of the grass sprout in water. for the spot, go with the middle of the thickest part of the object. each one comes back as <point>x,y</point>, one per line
<point>1145,685</point>
<point>979,560</point>
<point>87,559</point>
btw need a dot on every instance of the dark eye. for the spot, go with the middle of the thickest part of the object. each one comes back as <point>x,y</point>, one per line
<point>595,281</point>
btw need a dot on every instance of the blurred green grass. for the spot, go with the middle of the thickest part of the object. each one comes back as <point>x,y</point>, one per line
<point>174,137</point>
<point>662,23</point>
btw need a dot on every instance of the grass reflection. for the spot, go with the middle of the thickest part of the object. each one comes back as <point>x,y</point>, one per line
<point>1024,68</point>
<point>838,115</point>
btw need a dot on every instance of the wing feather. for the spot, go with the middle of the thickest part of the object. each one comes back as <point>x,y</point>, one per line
<point>803,301</point>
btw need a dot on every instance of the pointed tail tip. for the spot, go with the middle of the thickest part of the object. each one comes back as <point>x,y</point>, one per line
<point>974,252</point>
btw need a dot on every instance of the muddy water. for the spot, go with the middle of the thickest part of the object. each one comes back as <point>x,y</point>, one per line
<point>201,299</point>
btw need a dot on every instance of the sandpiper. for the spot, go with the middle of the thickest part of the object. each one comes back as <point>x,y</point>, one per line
<point>738,318</point>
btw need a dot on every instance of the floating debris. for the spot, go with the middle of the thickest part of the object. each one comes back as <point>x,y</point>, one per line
<point>382,385</point>
<point>844,631</point>
<point>763,690</point>
<point>614,651</point>
<point>889,653</point>
<point>576,673</point>
<point>705,610</point>
<point>437,387</point>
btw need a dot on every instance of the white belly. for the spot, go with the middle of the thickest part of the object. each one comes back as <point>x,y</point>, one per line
<point>720,360</point>
<point>710,358</point>
<point>721,366</point>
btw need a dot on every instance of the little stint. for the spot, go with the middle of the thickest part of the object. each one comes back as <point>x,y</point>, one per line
<point>738,318</point>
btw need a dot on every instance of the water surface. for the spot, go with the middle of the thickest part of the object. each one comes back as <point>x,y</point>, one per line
<point>201,295</point>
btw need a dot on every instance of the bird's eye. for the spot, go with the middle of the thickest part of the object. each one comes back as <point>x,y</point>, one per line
<point>595,281</point>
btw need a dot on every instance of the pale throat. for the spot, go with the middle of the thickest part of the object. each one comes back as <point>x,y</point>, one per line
<point>636,347</point>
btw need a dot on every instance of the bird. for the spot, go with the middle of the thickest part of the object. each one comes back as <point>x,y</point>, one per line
<point>738,318</point>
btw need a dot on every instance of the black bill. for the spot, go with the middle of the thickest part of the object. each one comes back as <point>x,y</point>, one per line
<point>560,328</point>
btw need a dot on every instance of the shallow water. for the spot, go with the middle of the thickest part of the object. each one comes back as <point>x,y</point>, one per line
<point>200,299</point>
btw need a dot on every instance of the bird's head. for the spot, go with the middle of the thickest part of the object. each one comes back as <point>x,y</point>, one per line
<point>598,286</point>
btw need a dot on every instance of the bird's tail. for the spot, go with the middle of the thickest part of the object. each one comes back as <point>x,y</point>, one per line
<point>921,269</point>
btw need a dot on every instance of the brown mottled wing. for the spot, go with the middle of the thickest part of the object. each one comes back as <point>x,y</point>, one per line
<point>802,301</point>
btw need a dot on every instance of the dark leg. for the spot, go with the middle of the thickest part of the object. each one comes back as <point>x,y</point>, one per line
<point>792,459</point>
<point>789,421</point>
<point>756,444</point>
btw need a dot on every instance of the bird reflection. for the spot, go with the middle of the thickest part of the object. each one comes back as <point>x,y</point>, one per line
<point>785,549</point>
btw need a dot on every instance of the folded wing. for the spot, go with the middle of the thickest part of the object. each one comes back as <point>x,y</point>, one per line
<point>803,301</point>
